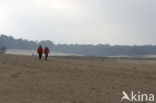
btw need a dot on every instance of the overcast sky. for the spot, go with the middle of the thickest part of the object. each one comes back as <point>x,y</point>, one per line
<point>125,22</point>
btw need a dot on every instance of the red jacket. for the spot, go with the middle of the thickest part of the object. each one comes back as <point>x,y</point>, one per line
<point>46,50</point>
<point>39,50</point>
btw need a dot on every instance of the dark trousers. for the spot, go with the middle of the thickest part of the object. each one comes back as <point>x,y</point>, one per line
<point>40,56</point>
<point>46,56</point>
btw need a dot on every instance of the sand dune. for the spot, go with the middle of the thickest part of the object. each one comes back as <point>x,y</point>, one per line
<point>25,79</point>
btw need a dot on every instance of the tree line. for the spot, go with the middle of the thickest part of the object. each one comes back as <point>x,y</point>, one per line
<point>88,50</point>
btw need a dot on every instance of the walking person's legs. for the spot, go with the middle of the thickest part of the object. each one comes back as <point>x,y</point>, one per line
<point>40,56</point>
<point>46,56</point>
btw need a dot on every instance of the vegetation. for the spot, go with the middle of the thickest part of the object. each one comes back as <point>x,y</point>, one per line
<point>95,50</point>
<point>2,50</point>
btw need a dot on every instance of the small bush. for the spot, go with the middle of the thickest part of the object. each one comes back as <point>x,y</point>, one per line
<point>2,50</point>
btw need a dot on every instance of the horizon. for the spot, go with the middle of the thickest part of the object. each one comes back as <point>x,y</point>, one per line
<point>111,22</point>
<point>74,43</point>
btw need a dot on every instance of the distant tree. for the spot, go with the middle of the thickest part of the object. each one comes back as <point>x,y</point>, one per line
<point>137,51</point>
<point>48,43</point>
<point>89,50</point>
<point>2,50</point>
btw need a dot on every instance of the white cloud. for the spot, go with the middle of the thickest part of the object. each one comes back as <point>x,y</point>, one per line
<point>80,21</point>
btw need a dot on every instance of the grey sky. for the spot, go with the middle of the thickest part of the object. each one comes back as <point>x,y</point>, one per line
<point>125,22</point>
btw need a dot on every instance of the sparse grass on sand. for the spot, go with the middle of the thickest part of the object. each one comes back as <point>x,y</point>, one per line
<point>25,79</point>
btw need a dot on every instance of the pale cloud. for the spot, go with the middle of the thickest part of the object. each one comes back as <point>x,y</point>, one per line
<point>80,21</point>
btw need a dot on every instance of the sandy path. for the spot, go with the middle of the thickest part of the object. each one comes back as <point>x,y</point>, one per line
<point>25,79</point>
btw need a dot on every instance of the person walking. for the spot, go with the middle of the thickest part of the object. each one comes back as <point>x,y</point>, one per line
<point>40,51</point>
<point>46,51</point>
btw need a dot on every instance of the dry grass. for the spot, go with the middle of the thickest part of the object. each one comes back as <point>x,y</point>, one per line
<point>25,79</point>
